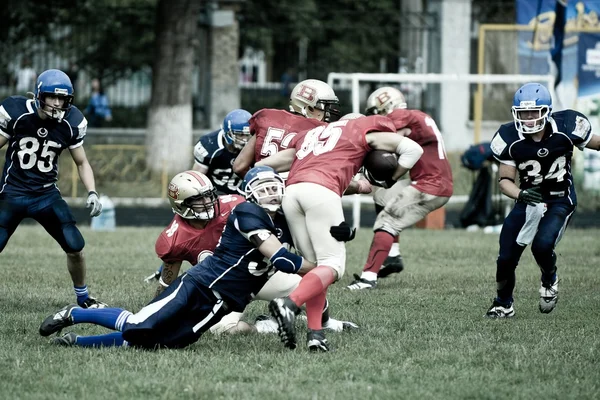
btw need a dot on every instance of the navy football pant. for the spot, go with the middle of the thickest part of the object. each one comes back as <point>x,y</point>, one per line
<point>550,230</point>
<point>50,210</point>
<point>177,317</point>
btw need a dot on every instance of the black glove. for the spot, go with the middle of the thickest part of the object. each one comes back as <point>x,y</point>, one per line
<point>343,232</point>
<point>531,196</point>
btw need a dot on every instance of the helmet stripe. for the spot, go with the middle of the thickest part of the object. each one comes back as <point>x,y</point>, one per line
<point>200,177</point>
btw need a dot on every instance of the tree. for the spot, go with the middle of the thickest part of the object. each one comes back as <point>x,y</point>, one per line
<point>169,136</point>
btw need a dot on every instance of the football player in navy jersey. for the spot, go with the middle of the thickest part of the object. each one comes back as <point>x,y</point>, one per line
<point>215,152</point>
<point>37,131</point>
<point>538,146</point>
<point>249,251</point>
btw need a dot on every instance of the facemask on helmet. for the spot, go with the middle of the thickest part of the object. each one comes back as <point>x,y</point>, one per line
<point>193,196</point>
<point>532,105</point>
<point>385,100</point>
<point>53,82</point>
<point>236,128</point>
<point>264,186</point>
<point>315,99</point>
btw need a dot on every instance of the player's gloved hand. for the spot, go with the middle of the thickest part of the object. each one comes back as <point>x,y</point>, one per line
<point>94,202</point>
<point>343,232</point>
<point>531,196</point>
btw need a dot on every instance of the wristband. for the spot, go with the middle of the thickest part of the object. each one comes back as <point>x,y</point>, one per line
<point>92,192</point>
<point>507,178</point>
<point>162,283</point>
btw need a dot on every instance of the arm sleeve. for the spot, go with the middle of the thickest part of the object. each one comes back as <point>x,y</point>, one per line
<point>500,148</point>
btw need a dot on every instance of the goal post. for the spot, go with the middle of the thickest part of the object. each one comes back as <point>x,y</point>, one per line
<point>355,82</point>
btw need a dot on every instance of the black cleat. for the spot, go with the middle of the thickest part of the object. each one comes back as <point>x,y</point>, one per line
<point>391,265</point>
<point>56,322</point>
<point>499,310</point>
<point>67,340</point>
<point>91,302</point>
<point>316,341</point>
<point>284,311</point>
<point>361,283</point>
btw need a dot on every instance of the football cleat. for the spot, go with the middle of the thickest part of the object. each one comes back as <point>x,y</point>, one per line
<point>56,322</point>
<point>265,324</point>
<point>548,296</point>
<point>68,339</point>
<point>339,326</point>
<point>391,265</point>
<point>361,283</point>
<point>91,302</point>
<point>499,310</point>
<point>316,341</point>
<point>284,311</point>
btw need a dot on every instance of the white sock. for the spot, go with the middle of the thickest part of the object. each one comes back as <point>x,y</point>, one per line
<point>395,250</point>
<point>369,276</point>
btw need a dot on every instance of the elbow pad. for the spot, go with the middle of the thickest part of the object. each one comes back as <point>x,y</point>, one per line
<point>408,152</point>
<point>286,261</point>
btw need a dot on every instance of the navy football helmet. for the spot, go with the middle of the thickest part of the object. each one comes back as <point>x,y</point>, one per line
<point>531,108</point>
<point>54,82</point>
<point>263,186</point>
<point>237,128</point>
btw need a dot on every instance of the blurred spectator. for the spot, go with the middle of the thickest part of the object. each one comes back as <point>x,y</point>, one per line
<point>98,111</point>
<point>25,77</point>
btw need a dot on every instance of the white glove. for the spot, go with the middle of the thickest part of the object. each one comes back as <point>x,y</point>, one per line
<point>94,202</point>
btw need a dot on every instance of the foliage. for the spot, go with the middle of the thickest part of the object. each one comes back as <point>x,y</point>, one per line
<point>107,38</point>
<point>343,35</point>
<point>422,333</point>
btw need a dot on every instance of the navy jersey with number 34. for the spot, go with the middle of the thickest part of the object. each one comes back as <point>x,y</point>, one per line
<point>34,145</point>
<point>546,163</point>
<point>237,270</point>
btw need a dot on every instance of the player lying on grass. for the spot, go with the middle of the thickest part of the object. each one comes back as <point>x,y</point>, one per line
<point>248,253</point>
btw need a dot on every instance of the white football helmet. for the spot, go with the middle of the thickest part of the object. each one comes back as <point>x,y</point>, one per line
<point>385,100</point>
<point>193,196</point>
<point>314,99</point>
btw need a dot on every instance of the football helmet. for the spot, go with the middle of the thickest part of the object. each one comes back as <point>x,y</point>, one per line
<point>385,100</point>
<point>193,196</point>
<point>315,99</point>
<point>56,83</point>
<point>237,128</point>
<point>263,186</point>
<point>531,108</point>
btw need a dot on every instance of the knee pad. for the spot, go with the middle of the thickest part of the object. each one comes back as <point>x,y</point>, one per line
<point>73,239</point>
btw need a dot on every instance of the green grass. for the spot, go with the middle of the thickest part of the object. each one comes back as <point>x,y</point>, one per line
<point>422,336</point>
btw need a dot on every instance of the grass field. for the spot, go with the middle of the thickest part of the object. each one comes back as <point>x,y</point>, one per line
<point>422,336</point>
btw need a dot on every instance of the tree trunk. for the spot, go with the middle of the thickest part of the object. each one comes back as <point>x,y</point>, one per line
<point>169,137</point>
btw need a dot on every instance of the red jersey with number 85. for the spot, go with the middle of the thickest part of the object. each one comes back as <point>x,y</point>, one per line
<point>432,173</point>
<point>180,241</point>
<point>331,155</point>
<point>275,129</point>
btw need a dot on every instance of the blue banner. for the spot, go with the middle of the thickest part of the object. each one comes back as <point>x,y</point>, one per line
<point>537,49</point>
<point>589,64</point>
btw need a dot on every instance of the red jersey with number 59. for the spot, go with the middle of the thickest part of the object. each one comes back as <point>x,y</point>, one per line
<point>432,173</point>
<point>331,155</point>
<point>274,130</point>
<point>180,241</point>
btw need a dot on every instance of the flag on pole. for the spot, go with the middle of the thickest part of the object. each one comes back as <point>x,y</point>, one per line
<point>559,38</point>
